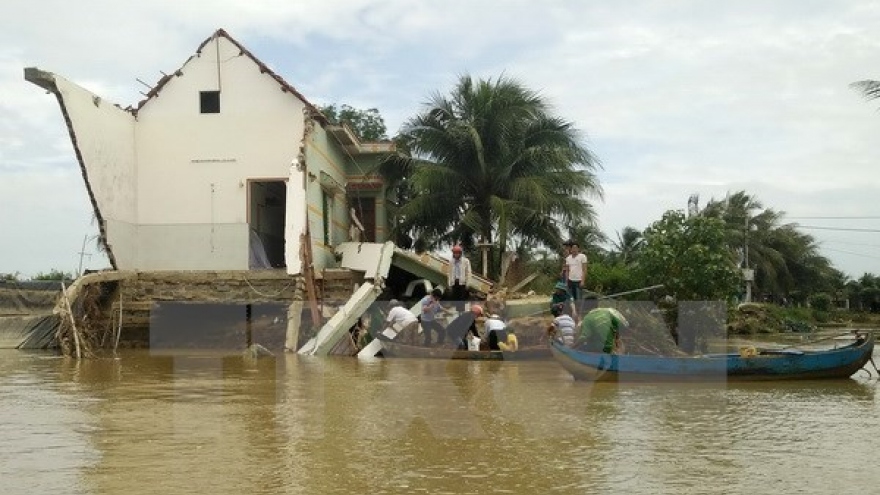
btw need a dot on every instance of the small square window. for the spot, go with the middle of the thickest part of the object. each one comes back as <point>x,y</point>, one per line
<point>209,101</point>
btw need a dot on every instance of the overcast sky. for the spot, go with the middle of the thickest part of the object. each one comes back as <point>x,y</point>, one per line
<point>675,97</point>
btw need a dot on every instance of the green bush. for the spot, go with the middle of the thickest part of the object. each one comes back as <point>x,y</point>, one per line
<point>821,316</point>
<point>612,279</point>
<point>821,302</point>
<point>797,326</point>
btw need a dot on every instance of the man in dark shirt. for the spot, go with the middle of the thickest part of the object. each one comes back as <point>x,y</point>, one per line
<point>458,329</point>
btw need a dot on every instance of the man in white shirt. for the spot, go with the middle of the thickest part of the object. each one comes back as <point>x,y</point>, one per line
<point>576,272</point>
<point>401,320</point>
<point>496,331</point>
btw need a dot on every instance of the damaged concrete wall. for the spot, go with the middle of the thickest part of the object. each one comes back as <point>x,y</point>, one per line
<point>326,178</point>
<point>103,137</point>
<point>204,310</point>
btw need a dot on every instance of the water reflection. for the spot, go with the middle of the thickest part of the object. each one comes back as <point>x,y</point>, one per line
<point>193,423</point>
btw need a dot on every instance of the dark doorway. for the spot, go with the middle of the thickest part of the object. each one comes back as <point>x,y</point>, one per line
<point>267,204</point>
<point>365,207</point>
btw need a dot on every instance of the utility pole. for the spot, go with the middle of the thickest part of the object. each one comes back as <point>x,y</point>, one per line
<point>484,248</point>
<point>748,273</point>
<point>82,253</point>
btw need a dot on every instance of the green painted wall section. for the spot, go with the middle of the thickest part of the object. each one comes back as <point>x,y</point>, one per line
<point>324,154</point>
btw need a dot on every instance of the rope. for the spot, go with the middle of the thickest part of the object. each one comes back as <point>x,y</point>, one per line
<point>811,342</point>
<point>268,295</point>
<point>871,360</point>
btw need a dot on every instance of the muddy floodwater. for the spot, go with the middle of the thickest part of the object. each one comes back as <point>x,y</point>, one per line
<point>214,424</point>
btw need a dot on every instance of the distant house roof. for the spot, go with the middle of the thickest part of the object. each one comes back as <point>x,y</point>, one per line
<point>285,86</point>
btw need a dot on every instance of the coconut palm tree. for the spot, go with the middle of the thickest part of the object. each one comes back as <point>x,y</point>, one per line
<point>629,241</point>
<point>784,258</point>
<point>869,88</point>
<point>488,163</point>
<point>748,230</point>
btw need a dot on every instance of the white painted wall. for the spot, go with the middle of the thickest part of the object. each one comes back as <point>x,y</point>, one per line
<point>105,137</point>
<point>193,167</point>
<point>172,183</point>
<point>295,218</point>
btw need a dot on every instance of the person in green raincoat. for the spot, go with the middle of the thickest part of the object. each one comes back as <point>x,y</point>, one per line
<point>600,331</point>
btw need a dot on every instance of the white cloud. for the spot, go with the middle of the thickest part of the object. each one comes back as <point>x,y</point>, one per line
<point>675,98</point>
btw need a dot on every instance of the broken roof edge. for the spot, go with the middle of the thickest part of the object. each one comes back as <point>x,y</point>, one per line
<point>48,81</point>
<point>347,138</point>
<point>313,111</point>
<point>41,78</point>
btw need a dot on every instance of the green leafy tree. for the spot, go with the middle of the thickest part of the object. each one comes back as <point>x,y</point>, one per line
<point>865,293</point>
<point>613,278</point>
<point>10,277</point>
<point>367,124</point>
<point>690,256</point>
<point>490,162</point>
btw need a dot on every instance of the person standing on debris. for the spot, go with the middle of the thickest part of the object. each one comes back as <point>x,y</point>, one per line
<point>458,276</point>
<point>401,320</point>
<point>430,308</point>
<point>576,272</point>
<point>566,250</point>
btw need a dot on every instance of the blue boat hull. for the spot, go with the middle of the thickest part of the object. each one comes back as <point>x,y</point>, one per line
<point>792,365</point>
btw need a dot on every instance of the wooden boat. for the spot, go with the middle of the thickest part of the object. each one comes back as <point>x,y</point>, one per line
<point>390,348</point>
<point>841,362</point>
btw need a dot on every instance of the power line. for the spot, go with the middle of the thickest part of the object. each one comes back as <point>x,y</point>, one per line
<point>842,229</point>
<point>847,243</point>
<point>850,252</point>
<point>835,218</point>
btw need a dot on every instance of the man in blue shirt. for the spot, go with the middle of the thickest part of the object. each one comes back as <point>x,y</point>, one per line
<point>428,316</point>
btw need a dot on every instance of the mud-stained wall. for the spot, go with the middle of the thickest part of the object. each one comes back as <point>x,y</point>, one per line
<point>204,309</point>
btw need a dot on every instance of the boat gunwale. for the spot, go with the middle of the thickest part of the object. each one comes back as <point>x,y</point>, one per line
<point>401,350</point>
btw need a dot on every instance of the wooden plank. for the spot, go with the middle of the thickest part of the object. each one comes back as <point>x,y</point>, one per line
<point>524,282</point>
<point>308,270</point>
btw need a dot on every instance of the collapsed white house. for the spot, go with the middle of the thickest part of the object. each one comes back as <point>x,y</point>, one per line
<point>225,175</point>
